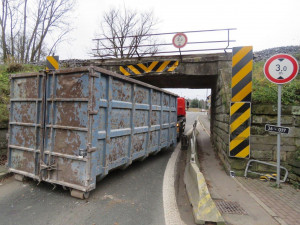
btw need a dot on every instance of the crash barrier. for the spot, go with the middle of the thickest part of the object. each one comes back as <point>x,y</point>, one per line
<point>247,170</point>
<point>204,208</point>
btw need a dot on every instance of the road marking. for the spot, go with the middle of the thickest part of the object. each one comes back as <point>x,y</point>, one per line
<point>171,212</point>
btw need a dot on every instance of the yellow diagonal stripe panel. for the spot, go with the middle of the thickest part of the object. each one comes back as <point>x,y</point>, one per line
<point>133,69</point>
<point>125,72</point>
<point>143,67</point>
<point>53,62</point>
<point>242,73</point>
<point>240,54</point>
<point>244,153</point>
<point>235,107</point>
<point>241,119</point>
<point>173,67</point>
<point>163,66</point>
<point>239,139</point>
<point>243,93</point>
<point>148,69</point>
<point>153,64</point>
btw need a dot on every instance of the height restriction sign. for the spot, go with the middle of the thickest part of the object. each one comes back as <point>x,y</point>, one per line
<point>281,68</point>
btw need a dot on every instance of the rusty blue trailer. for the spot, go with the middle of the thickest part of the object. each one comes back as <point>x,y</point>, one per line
<point>70,127</point>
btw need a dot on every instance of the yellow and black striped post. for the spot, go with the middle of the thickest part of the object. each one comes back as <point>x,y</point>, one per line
<point>155,66</point>
<point>240,109</point>
<point>240,113</point>
<point>242,63</point>
<point>52,63</point>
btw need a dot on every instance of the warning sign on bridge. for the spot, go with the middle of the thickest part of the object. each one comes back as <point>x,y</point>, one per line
<point>52,63</point>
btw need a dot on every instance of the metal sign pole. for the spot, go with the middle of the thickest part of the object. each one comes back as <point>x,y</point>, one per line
<point>278,135</point>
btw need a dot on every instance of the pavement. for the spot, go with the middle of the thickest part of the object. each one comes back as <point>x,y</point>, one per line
<point>245,200</point>
<point>124,197</point>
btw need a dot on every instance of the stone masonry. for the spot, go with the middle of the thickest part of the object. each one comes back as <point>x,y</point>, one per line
<point>264,143</point>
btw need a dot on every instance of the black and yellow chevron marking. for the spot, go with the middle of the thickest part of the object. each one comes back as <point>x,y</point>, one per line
<point>239,145</point>
<point>241,84</point>
<point>52,63</point>
<point>155,66</point>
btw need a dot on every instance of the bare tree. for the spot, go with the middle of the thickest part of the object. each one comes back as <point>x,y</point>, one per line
<point>126,33</point>
<point>30,24</point>
<point>3,23</point>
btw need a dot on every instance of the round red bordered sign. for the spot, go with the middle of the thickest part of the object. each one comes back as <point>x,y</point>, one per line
<point>281,68</point>
<point>179,40</point>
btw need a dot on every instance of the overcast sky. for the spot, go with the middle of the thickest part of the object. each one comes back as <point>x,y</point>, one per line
<point>260,23</point>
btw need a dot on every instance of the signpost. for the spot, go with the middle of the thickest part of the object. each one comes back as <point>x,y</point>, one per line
<point>280,69</point>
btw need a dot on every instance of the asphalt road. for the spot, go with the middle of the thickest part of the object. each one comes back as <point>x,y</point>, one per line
<point>129,197</point>
<point>191,117</point>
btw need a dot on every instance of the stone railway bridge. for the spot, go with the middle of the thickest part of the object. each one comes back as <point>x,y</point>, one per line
<point>189,71</point>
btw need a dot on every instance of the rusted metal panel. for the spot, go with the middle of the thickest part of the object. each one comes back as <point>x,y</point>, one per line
<point>80,123</point>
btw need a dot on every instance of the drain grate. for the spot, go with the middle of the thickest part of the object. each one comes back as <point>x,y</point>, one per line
<point>230,207</point>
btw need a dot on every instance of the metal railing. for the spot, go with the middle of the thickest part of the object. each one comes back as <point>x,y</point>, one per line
<point>247,170</point>
<point>113,50</point>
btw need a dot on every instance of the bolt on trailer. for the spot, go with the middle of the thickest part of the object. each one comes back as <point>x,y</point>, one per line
<point>71,127</point>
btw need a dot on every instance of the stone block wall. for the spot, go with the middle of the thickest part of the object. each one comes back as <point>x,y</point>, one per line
<point>263,144</point>
<point>220,112</point>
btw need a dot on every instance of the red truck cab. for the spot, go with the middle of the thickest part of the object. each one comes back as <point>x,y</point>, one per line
<point>181,117</point>
<point>181,107</point>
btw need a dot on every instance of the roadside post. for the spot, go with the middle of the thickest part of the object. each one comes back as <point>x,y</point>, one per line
<point>280,69</point>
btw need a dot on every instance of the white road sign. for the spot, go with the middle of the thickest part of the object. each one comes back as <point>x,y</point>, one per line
<point>179,40</point>
<point>281,68</point>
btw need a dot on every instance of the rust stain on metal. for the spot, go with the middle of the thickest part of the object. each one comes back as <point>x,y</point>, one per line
<point>67,171</point>
<point>26,88</point>
<point>120,118</point>
<point>70,86</point>
<point>25,137</point>
<point>23,160</point>
<point>118,149</point>
<point>155,98</point>
<point>138,142</point>
<point>67,142</point>
<point>141,96</point>
<point>71,114</point>
<point>122,91</point>
<point>166,100</point>
<point>154,118</point>
<point>140,118</point>
<point>24,112</point>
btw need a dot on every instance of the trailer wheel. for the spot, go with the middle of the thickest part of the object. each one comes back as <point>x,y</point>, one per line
<point>80,194</point>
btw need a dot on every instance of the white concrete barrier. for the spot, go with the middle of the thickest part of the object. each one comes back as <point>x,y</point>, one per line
<point>204,208</point>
